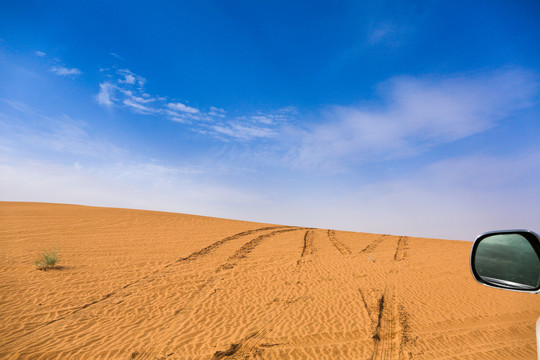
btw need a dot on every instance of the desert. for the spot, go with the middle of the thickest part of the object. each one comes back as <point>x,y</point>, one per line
<point>134,284</point>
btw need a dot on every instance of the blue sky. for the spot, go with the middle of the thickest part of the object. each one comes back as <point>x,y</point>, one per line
<point>386,116</point>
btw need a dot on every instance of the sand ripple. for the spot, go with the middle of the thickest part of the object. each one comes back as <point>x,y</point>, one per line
<point>150,285</point>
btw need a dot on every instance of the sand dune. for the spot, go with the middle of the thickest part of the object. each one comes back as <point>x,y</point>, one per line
<point>151,285</point>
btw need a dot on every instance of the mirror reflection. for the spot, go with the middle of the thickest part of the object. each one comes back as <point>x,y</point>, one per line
<point>508,260</point>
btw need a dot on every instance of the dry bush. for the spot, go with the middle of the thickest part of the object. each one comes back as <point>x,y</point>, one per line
<point>46,260</point>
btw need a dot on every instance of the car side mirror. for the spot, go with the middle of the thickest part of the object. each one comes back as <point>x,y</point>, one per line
<point>508,260</point>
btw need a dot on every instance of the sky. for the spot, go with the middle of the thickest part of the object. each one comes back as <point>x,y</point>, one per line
<point>397,117</point>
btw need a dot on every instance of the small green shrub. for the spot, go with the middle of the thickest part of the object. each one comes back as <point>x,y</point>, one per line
<point>46,260</point>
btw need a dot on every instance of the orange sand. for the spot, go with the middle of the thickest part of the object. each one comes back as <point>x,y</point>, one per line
<point>151,285</point>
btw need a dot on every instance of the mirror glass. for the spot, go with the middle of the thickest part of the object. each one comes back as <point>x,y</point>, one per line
<point>508,260</point>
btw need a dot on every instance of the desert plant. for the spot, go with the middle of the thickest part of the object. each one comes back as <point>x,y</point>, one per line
<point>46,260</point>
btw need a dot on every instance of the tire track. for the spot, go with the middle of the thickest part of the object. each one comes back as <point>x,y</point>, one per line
<point>406,334</point>
<point>308,248</point>
<point>373,245</point>
<point>384,337</point>
<point>342,248</point>
<point>401,248</point>
<point>249,347</point>
<point>207,289</point>
<point>392,333</point>
<point>249,247</point>
<point>242,348</point>
<point>253,346</point>
<point>210,248</point>
<point>150,277</point>
<point>369,313</point>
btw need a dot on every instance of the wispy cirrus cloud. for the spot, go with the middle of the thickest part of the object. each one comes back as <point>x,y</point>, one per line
<point>130,78</point>
<point>214,111</point>
<point>59,159</point>
<point>261,125</point>
<point>64,71</point>
<point>137,106</point>
<point>182,108</point>
<point>32,130</point>
<point>414,114</point>
<point>125,89</point>
<point>113,54</point>
<point>56,65</point>
<point>239,131</point>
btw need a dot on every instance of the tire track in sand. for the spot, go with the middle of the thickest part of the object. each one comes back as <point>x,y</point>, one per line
<point>366,307</point>
<point>384,336</point>
<point>252,346</point>
<point>191,257</point>
<point>392,332</point>
<point>122,292</point>
<point>190,308</point>
<point>373,245</point>
<point>249,247</point>
<point>210,248</point>
<point>401,248</point>
<point>308,248</point>
<point>342,248</point>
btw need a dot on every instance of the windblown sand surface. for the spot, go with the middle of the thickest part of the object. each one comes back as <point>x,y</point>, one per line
<point>152,285</point>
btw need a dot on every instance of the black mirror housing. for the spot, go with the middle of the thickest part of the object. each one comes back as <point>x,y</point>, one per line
<point>507,259</point>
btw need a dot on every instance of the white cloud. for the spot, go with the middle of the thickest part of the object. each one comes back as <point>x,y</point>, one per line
<point>142,100</point>
<point>415,115</point>
<point>180,120</point>
<point>171,113</point>
<point>244,132</point>
<point>277,117</point>
<point>214,111</point>
<point>31,130</point>
<point>452,198</point>
<point>138,107</point>
<point>128,88</point>
<point>183,118</point>
<point>63,71</point>
<point>120,91</point>
<point>40,53</point>
<point>263,119</point>
<point>131,78</point>
<point>105,96</point>
<point>250,127</point>
<point>411,116</point>
<point>183,108</point>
